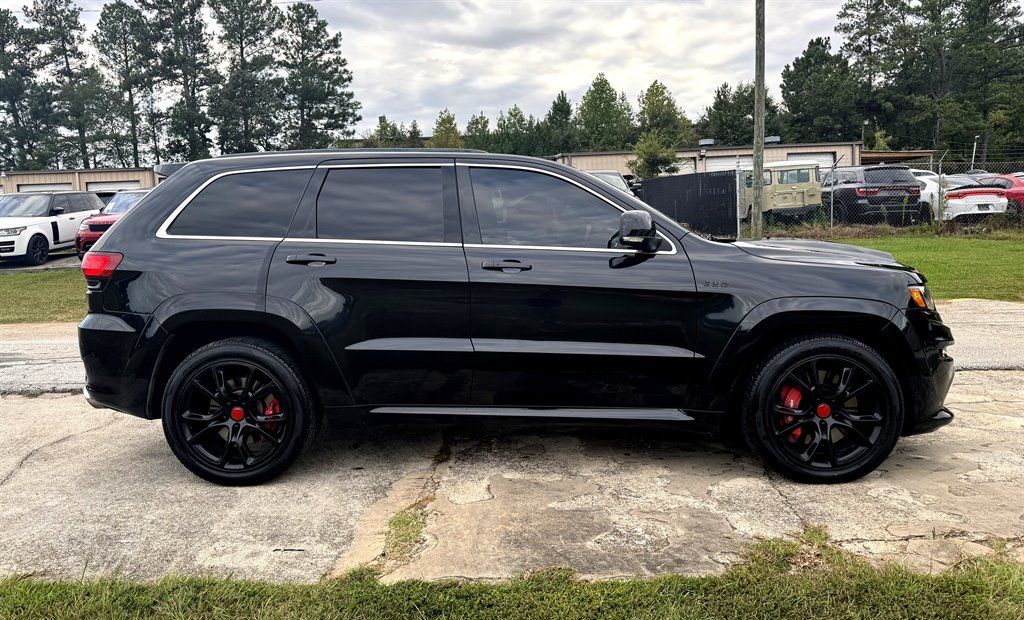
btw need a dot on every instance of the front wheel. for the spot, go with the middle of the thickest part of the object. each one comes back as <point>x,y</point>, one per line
<point>38,250</point>
<point>823,409</point>
<point>238,412</point>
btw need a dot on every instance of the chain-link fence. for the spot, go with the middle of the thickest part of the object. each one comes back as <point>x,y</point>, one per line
<point>854,201</point>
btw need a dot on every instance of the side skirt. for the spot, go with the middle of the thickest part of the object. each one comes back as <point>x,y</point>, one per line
<point>665,415</point>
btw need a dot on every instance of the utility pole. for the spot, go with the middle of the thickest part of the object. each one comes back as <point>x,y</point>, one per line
<point>974,151</point>
<point>758,181</point>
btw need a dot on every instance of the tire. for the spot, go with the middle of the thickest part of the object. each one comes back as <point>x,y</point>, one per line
<point>224,431</point>
<point>924,213</point>
<point>37,252</point>
<point>862,423</point>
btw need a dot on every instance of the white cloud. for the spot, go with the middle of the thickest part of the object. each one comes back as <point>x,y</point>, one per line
<point>412,58</point>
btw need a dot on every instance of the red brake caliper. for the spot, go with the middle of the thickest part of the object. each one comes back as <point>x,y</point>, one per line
<point>272,408</point>
<point>791,400</point>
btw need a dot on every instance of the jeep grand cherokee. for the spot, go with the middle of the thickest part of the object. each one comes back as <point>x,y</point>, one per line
<point>256,293</point>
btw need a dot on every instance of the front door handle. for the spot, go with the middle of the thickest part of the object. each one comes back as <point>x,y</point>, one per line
<point>506,266</point>
<point>313,260</point>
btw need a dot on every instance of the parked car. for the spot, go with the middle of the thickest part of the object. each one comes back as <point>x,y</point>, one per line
<point>93,228</point>
<point>924,174</point>
<point>34,224</point>
<point>625,183</point>
<point>791,190</point>
<point>255,293</point>
<point>1014,188</point>
<point>965,197</point>
<point>875,194</point>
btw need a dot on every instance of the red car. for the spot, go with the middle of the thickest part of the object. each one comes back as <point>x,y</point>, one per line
<point>93,228</point>
<point>1014,186</point>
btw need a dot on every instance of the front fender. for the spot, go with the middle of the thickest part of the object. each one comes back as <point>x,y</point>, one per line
<point>772,319</point>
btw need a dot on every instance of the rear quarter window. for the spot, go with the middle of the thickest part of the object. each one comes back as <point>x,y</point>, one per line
<point>248,204</point>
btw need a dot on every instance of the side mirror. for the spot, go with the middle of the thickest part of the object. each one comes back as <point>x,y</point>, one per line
<point>637,230</point>
<point>56,210</point>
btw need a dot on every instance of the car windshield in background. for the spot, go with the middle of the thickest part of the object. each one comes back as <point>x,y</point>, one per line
<point>21,205</point>
<point>121,203</point>
<point>615,180</point>
<point>880,176</point>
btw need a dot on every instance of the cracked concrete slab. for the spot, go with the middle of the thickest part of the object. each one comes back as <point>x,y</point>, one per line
<point>93,492</point>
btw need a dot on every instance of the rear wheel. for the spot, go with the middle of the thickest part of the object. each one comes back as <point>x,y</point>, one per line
<point>823,409</point>
<point>238,412</point>
<point>38,250</point>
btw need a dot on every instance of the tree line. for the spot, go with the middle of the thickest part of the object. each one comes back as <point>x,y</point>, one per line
<point>909,74</point>
<point>157,88</point>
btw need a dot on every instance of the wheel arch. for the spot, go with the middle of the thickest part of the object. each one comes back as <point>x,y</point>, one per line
<point>772,323</point>
<point>202,319</point>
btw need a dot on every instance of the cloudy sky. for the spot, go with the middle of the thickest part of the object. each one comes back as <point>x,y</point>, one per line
<point>412,58</point>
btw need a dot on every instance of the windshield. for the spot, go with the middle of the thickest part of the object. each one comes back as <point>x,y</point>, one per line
<point>877,176</point>
<point>612,178</point>
<point>122,202</point>
<point>23,205</point>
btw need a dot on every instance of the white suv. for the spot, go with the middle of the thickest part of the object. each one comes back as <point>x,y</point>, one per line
<point>33,225</point>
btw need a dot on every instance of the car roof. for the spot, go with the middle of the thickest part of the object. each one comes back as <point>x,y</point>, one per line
<point>275,159</point>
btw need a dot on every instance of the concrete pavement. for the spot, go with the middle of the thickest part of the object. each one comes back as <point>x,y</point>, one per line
<point>91,492</point>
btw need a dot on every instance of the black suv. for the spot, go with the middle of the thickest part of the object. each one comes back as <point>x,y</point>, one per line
<point>255,293</point>
<point>874,195</point>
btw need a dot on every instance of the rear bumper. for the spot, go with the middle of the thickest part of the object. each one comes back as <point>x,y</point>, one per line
<point>85,240</point>
<point>117,368</point>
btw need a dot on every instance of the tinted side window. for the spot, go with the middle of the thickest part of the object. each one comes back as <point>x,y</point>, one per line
<point>767,178</point>
<point>61,200</point>
<point>251,204</point>
<point>381,204</point>
<point>516,207</point>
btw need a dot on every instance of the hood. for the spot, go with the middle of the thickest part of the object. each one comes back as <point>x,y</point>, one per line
<point>102,219</point>
<point>14,222</point>
<point>808,251</point>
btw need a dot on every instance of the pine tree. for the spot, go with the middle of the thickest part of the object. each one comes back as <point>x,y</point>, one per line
<point>478,133</point>
<point>125,50</point>
<point>246,105</point>
<point>414,136</point>
<point>730,119</point>
<point>27,120</point>
<point>820,94</point>
<point>604,119</point>
<point>511,132</point>
<point>446,132</point>
<point>652,156</point>
<point>61,33</point>
<point>559,134</point>
<point>659,113</point>
<point>319,106</point>
<point>186,63</point>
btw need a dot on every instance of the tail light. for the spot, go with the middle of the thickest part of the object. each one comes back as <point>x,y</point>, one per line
<point>957,195</point>
<point>915,191</point>
<point>861,191</point>
<point>100,264</point>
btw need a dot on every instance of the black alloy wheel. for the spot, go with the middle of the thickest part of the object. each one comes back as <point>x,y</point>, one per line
<point>38,250</point>
<point>237,412</point>
<point>824,409</point>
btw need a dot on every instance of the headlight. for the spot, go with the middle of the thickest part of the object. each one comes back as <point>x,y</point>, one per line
<point>84,226</point>
<point>921,297</point>
<point>10,232</point>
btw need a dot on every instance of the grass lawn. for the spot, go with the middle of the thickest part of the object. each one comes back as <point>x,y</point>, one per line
<point>960,266</point>
<point>40,296</point>
<point>780,579</point>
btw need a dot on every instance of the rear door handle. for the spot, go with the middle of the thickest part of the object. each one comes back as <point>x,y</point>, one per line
<point>313,260</point>
<point>506,266</point>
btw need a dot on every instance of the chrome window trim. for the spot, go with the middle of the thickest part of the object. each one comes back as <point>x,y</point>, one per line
<point>570,249</point>
<point>438,244</point>
<point>162,233</point>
